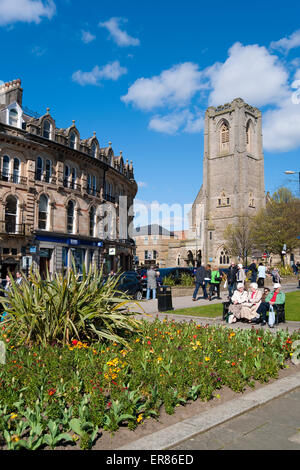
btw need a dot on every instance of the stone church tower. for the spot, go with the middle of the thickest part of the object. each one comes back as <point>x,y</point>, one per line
<point>233,170</point>
<point>233,182</point>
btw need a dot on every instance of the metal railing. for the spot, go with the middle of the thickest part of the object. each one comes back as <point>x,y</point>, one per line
<point>9,227</point>
<point>13,178</point>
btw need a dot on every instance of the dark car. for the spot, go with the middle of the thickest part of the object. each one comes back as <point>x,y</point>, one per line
<point>130,283</point>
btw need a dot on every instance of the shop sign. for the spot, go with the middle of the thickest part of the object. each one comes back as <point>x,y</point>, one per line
<point>32,249</point>
<point>112,251</point>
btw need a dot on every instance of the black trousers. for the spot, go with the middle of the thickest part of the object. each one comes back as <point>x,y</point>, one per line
<point>212,288</point>
<point>263,309</point>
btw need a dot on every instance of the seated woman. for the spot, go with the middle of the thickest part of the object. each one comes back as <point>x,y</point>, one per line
<point>274,298</point>
<point>238,298</point>
<point>249,308</point>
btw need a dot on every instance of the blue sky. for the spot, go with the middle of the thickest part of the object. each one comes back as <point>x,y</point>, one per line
<point>142,74</point>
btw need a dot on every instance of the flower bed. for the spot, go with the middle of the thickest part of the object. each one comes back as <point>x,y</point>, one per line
<point>59,394</point>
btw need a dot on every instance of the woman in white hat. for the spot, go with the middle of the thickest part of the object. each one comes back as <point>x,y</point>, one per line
<point>249,309</point>
<point>239,297</point>
<point>240,275</point>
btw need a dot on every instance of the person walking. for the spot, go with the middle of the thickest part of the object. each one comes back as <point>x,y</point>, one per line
<point>215,283</point>
<point>151,283</point>
<point>199,281</point>
<point>231,278</point>
<point>261,272</point>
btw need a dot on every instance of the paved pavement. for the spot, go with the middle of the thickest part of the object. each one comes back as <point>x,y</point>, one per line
<point>272,426</point>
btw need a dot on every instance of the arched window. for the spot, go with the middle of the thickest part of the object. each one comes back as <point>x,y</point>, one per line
<point>43,212</point>
<point>66,176</point>
<point>5,168</point>
<point>224,138</point>
<point>94,187</point>
<point>47,129</point>
<point>16,171</point>
<point>48,172</point>
<point>73,140</point>
<point>73,178</point>
<point>89,184</point>
<point>92,221</point>
<point>11,214</point>
<point>70,217</point>
<point>249,136</point>
<point>94,149</point>
<point>13,117</point>
<point>39,169</point>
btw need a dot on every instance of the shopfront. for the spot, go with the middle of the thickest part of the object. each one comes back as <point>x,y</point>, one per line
<point>58,254</point>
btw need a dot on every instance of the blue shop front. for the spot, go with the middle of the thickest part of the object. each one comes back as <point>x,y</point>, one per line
<point>56,253</point>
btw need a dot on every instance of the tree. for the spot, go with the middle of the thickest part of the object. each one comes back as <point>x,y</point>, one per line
<point>239,239</point>
<point>278,225</point>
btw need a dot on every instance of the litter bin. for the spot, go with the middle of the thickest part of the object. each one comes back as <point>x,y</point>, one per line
<point>164,298</point>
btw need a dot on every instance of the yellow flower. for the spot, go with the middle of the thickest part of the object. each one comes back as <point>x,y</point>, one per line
<point>207,359</point>
<point>15,438</point>
<point>139,418</point>
<point>137,340</point>
<point>13,415</point>
<point>159,359</point>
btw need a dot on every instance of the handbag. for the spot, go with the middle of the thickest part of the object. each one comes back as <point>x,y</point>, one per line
<point>271,316</point>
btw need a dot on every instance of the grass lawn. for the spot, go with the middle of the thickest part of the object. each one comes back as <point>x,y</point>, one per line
<point>292,309</point>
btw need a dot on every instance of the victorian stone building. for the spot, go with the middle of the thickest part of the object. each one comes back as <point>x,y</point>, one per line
<point>60,195</point>
<point>233,183</point>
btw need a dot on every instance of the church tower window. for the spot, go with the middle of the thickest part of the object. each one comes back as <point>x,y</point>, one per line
<point>224,138</point>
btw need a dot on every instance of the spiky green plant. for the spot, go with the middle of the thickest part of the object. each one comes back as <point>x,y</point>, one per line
<point>63,308</point>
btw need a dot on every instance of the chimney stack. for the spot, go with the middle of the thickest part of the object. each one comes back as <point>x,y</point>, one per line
<point>11,92</point>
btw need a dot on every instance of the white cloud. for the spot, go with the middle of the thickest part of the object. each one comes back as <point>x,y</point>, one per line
<point>287,43</point>
<point>172,123</point>
<point>112,71</point>
<point>251,73</point>
<point>173,87</point>
<point>281,127</point>
<point>87,37</point>
<point>120,37</point>
<point>28,11</point>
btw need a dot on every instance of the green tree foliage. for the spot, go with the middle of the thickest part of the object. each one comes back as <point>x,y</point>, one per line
<point>278,224</point>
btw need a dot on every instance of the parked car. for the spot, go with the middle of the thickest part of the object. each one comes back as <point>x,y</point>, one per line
<point>130,283</point>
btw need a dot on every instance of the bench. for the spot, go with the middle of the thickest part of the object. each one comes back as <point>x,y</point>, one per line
<point>279,313</point>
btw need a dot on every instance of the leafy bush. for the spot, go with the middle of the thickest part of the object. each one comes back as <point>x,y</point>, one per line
<point>59,309</point>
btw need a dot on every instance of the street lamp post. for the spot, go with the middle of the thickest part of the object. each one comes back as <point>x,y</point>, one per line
<point>290,172</point>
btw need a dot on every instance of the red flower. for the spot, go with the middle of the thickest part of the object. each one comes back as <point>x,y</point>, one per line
<point>51,391</point>
<point>149,342</point>
<point>74,342</point>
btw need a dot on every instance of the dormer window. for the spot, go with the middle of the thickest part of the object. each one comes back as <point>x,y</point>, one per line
<point>13,117</point>
<point>46,129</point>
<point>94,149</point>
<point>73,140</point>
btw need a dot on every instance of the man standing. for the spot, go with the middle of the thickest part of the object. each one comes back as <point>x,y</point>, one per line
<point>261,275</point>
<point>151,283</point>
<point>199,281</point>
<point>253,269</point>
<point>231,278</point>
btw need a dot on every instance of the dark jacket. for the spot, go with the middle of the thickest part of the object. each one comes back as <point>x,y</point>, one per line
<point>231,276</point>
<point>200,274</point>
